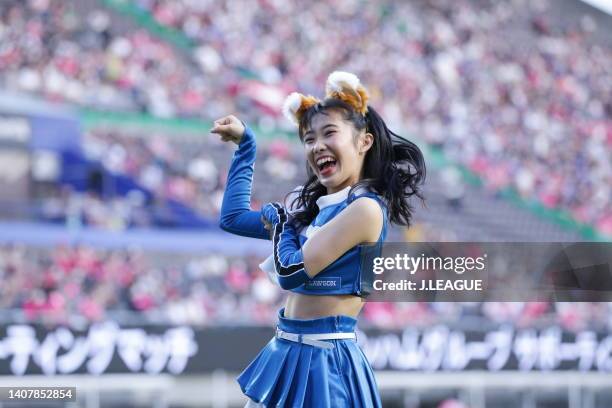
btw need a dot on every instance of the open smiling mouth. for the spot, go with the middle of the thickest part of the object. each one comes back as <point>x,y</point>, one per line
<point>326,165</point>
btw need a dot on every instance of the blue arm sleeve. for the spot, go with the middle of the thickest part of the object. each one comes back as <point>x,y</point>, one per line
<point>236,214</point>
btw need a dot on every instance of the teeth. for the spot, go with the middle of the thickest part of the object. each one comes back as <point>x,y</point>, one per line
<point>324,160</point>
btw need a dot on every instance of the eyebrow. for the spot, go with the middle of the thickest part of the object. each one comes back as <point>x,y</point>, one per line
<point>322,129</point>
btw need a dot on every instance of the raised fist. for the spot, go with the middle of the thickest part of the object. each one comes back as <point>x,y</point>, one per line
<point>230,128</point>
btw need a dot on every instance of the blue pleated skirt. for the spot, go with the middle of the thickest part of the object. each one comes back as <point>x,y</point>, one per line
<point>289,374</point>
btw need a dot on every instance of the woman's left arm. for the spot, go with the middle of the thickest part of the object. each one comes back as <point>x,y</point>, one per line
<point>360,222</point>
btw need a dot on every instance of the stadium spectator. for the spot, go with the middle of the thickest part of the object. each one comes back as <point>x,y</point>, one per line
<point>535,117</point>
<point>77,284</point>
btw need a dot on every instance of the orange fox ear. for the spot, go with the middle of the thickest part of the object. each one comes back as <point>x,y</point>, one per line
<point>346,87</point>
<point>296,104</point>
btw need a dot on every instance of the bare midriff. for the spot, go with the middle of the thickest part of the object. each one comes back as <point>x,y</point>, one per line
<point>301,306</point>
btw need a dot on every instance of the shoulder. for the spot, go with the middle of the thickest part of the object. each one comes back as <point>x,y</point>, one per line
<point>366,206</point>
<point>366,215</point>
<point>363,193</point>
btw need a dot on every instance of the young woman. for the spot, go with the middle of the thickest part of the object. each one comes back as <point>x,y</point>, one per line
<point>360,178</point>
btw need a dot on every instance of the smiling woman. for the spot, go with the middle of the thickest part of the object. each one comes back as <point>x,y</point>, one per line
<point>360,177</point>
<point>335,150</point>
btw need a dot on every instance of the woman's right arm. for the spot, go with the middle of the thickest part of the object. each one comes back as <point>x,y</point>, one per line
<point>361,222</point>
<point>236,214</point>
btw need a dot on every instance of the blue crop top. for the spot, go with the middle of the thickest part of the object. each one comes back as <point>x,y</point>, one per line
<point>343,276</point>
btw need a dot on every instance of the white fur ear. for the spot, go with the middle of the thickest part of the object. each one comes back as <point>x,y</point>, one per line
<point>340,79</point>
<point>291,106</point>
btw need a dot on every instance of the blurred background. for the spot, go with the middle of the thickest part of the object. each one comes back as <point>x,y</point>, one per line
<point>114,276</point>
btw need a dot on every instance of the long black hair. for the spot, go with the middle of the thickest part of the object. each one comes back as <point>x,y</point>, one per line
<point>393,168</point>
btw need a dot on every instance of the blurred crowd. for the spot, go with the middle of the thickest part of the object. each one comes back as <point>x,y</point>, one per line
<point>164,170</point>
<point>50,47</point>
<point>65,205</point>
<point>504,88</point>
<point>80,284</point>
<point>571,316</point>
<point>192,170</point>
<point>75,285</point>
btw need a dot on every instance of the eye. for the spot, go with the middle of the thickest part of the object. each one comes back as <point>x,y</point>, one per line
<point>308,140</point>
<point>330,133</point>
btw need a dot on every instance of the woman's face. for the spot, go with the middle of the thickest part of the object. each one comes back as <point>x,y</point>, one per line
<point>334,153</point>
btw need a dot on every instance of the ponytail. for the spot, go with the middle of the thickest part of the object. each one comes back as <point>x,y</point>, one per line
<point>395,169</point>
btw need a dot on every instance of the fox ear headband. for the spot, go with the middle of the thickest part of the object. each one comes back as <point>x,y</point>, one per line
<point>340,85</point>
